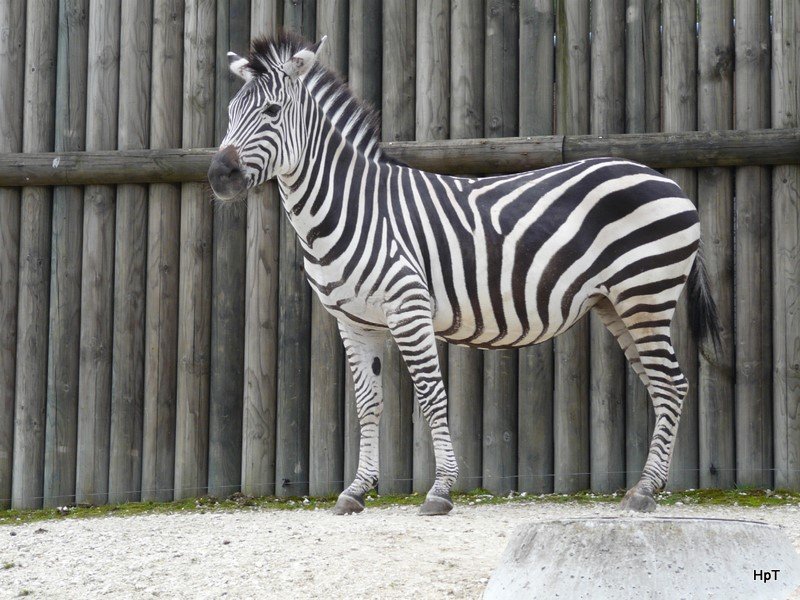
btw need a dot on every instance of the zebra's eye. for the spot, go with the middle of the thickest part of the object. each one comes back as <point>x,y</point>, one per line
<point>271,110</point>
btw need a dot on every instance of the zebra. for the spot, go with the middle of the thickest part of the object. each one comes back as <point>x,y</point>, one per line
<point>491,262</point>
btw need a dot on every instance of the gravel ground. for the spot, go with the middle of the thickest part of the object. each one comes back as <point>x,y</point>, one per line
<point>381,553</point>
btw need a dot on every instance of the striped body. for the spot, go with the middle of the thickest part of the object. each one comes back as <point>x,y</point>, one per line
<point>492,262</point>
<point>547,235</point>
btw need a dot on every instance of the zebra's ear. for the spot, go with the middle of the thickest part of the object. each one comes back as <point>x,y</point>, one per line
<point>238,66</point>
<point>300,64</point>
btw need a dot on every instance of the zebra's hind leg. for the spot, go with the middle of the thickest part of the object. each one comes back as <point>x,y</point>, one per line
<point>411,325</point>
<point>365,356</point>
<point>667,387</point>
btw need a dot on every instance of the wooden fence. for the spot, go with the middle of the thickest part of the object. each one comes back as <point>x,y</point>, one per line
<point>156,346</point>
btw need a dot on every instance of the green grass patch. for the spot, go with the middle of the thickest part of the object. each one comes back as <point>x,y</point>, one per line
<point>737,497</point>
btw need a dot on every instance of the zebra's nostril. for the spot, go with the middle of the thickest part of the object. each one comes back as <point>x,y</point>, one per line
<point>225,176</point>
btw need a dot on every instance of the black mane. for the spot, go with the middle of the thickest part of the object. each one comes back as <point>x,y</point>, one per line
<point>358,122</point>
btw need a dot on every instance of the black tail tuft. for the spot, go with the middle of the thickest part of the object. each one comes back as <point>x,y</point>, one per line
<point>703,316</point>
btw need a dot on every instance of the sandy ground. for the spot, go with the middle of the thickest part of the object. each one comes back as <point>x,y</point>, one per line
<point>381,553</point>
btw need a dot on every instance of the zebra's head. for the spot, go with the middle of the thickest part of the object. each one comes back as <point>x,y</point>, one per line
<point>265,135</point>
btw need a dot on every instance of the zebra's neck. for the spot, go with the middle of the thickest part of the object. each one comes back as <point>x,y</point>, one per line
<point>322,195</point>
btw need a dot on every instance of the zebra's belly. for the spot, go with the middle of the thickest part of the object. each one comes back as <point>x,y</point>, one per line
<point>489,332</point>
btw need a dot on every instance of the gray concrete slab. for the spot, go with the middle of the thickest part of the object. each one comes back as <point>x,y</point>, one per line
<point>646,558</point>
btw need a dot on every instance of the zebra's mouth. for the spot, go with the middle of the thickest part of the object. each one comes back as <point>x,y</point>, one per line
<point>225,174</point>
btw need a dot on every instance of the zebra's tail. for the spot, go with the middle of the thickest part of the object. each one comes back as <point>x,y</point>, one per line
<point>703,315</point>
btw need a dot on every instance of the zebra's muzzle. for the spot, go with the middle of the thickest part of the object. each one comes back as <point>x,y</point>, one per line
<point>225,175</point>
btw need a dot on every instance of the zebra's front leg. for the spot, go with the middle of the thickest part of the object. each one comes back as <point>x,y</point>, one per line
<point>411,325</point>
<point>365,356</point>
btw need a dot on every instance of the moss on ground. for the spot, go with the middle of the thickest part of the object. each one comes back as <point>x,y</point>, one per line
<point>737,497</point>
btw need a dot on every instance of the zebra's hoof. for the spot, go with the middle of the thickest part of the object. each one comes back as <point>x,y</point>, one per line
<point>436,505</point>
<point>637,501</point>
<point>348,505</point>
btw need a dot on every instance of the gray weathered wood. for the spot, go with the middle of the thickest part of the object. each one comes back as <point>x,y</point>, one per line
<point>227,279</point>
<point>465,366</point>
<point>97,272</point>
<point>326,428</point>
<point>456,156</point>
<point>536,67</point>
<point>233,35</point>
<point>607,363</point>
<point>432,123</point>
<point>300,16</point>
<point>364,78</point>
<point>194,303</point>
<point>261,344</point>
<point>715,204</point>
<point>643,65</point>
<point>265,17</point>
<point>332,20</point>
<point>294,331</point>
<point>642,113</point>
<point>12,71</point>
<point>365,44</point>
<point>41,28</point>
<point>679,60</point>
<point>130,254</point>
<point>535,375</point>
<point>501,118</point>
<point>163,256</point>
<point>399,91</point>
<point>294,367</point>
<point>786,249</point>
<point>752,267</point>
<point>65,265</point>
<point>571,372</point>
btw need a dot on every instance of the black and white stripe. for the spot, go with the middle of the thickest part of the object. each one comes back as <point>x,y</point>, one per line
<point>495,262</point>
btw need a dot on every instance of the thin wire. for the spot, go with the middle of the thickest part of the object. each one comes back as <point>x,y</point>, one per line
<point>340,482</point>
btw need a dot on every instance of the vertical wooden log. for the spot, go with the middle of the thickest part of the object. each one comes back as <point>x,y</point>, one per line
<point>97,275</point>
<point>127,370</point>
<point>752,267</point>
<point>786,249</point>
<point>227,279</point>
<point>233,35</point>
<point>715,201</point>
<point>571,355</point>
<point>34,249</point>
<point>300,16</point>
<point>65,266</point>
<point>535,375</point>
<point>465,365</point>
<point>261,324</point>
<point>364,78</point>
<point>326,427</point>
<point>163,255</point>
<point>294,368</point>
<point>396,428</point>
<point>261,347</point>
<point>536,67</point>
<point>501,119</point>
<point>679,60</point>
<point>294,333</point>
<point>12,72</point>
<point>432,123</point>
<point>332,19</point>
<point>607,363</point>
<point>194,303</point>
<point>642,113</point>
<point>261,341</point>
<point>34,267</point>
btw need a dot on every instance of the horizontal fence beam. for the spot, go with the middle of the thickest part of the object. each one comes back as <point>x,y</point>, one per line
<point>730,148</point>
